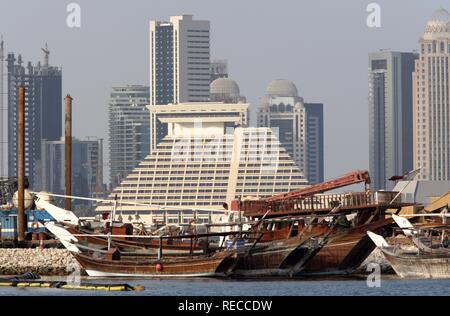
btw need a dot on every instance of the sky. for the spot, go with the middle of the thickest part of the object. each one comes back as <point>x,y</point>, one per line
<point>322,46</point>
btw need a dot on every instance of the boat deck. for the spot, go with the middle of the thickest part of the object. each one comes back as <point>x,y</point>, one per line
<point>325,203</point>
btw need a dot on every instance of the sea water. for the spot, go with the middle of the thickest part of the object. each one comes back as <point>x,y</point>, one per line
<point>210,287</point>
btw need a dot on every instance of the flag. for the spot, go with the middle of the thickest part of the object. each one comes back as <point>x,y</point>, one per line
<point>407,176</point>
<point>395,178</point>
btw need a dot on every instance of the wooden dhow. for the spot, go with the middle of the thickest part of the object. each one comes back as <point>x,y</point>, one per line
<point>127,242</point>
<point>430,258</point>
<point>265,255</point>
<point>113,263</point>
<point>347,245</point>
<point>415,263</point>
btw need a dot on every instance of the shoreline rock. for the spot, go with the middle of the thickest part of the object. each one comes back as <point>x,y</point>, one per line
<point>49,262</point>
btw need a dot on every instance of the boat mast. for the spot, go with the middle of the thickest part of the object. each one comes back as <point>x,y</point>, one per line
<point>113,213</point>
<point>240,217</point>
<point>111,221</point>
<point>412,173</point>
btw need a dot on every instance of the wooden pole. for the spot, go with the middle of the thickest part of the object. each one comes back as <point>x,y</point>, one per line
<point>68,153</point>
<point>21,165</point>
<point>160,248</point>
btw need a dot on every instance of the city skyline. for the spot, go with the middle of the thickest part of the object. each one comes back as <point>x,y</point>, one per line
<point>311,85</point>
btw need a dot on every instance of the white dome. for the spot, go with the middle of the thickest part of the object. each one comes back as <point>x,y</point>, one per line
<point>282,88</point>
<point>441,15</point>
<point>438,25</point>
<point>225,86</point>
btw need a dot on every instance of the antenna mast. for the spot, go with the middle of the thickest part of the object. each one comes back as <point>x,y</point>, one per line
<point>46,53</point>
<point>2,97</point>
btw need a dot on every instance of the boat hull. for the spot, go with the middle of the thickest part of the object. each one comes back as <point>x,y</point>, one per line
<point>217,265</point>
<point>99,274</point>
<point>417,267</point>
<point>345,250</point>
<point>264,262</point>
<point>280,258</point>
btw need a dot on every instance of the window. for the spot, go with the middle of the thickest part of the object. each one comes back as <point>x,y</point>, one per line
<point>379,64</point>
<point>273,108</point>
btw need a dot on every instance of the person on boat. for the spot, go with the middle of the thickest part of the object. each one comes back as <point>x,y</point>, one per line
<point>445,241</point>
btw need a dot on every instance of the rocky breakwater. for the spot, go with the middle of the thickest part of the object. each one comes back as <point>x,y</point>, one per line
<point>15,261</point>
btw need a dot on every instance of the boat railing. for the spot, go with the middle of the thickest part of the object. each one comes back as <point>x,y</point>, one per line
<point>196,241</point>
<point>343,200</point>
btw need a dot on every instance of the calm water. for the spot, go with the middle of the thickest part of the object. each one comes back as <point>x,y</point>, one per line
<point>209,287</point>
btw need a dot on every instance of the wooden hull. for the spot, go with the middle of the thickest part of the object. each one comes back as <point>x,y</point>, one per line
<point>419,266</point>
<point>345,250</point>
<point>217,265</point>
<point>279,258</point>
<point>265,261</point>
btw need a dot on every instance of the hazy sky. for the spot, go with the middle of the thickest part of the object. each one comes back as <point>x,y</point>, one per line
<point>321,46</point>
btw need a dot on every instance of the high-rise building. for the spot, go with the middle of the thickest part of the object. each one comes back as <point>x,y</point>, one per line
<point>219,69</point>
<point>431,100</point>
<point>298,125</point>
<point>179,60</point>
<point>129,130</point>
<point>43,110</point>
<point>87,174</point>
<point>3,130</point>
<point>179,64</point>
<point>207,158</point>
<point>390,116</point>
<point>314,142</point>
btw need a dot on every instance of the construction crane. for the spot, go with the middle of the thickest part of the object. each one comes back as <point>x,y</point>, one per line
<point>265,204</point>
<point>350,178</point>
